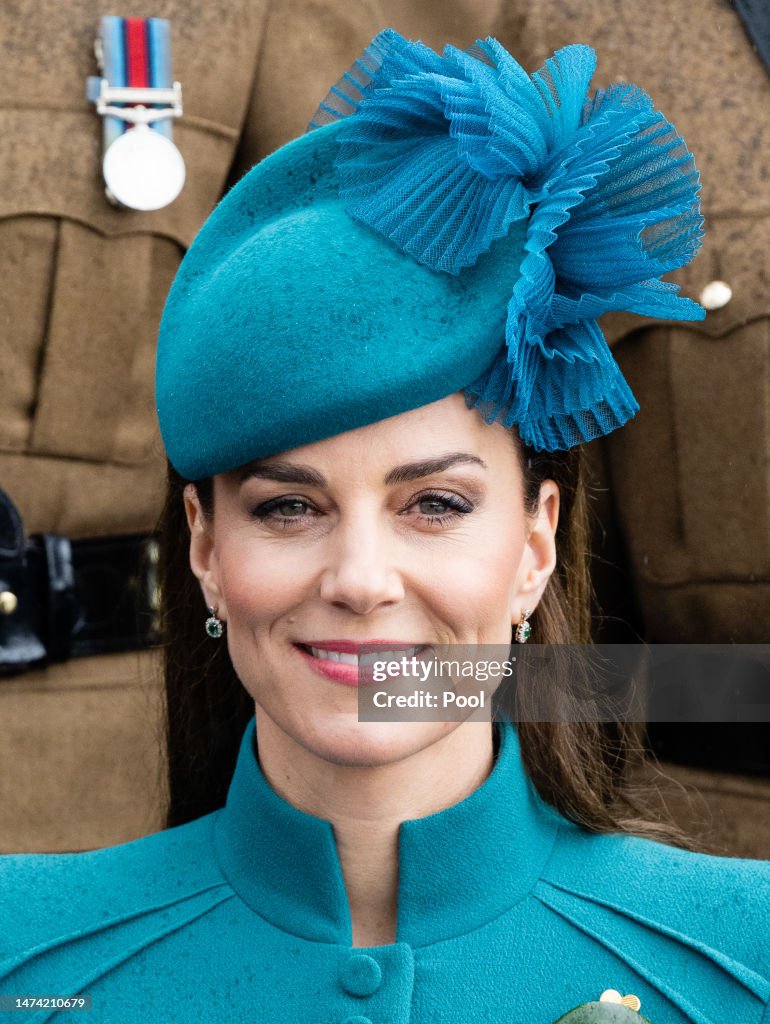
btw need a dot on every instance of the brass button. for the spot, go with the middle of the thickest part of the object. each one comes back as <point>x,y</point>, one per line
<point>9,602</point>
<point>715,295</point>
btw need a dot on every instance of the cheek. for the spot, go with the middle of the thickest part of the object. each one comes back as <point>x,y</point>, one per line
<point>257,590</point>
<point>256,585</point>
<point>497,568</point>
<point>473,584</point>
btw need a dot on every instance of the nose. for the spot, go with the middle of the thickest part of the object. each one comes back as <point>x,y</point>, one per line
<point>360,574</point>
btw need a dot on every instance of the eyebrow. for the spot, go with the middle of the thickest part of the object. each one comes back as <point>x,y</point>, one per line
<point>292,473</point>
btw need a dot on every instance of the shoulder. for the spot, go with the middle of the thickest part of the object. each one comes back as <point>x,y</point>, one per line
<point>638,861</point>
<point>665,898</point>
<point>54,897</point>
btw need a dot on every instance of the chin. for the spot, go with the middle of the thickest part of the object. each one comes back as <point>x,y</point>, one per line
<point>353,744</point>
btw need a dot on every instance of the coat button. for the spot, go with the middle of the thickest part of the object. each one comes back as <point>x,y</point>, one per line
<point>715,295</point>
<point>361,975</point>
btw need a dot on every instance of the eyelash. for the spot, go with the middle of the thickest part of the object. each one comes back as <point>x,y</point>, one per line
<point>459,506</point>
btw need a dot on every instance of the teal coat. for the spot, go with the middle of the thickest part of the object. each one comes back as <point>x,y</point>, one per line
<point>507,913</point>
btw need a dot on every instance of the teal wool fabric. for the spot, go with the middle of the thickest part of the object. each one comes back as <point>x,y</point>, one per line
<point>507,913</point>
<point>291,322</point>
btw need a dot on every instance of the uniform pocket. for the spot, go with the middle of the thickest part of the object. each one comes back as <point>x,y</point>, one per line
<point>81,312</point>
<point>83,285</point>
<point>96,382</point>
<point>27,262</point>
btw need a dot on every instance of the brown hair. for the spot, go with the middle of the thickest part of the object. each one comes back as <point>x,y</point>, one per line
<point>580,768</point>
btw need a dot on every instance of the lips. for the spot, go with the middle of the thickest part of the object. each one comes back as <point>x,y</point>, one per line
<point>352,667</point>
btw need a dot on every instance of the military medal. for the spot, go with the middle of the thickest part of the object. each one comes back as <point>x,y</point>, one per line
<point>611,1008</point>
<point>143,169</point>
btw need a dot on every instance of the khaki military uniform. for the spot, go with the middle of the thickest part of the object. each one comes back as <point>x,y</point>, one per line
<point>689,476</point>
<point>82,285</point>
<point>683,515</point>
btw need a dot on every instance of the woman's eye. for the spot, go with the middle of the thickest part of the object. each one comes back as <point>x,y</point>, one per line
<point>284,512</point>
<point>442,508</point>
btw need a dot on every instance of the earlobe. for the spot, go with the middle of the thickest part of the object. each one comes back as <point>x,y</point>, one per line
<point>202,552</point>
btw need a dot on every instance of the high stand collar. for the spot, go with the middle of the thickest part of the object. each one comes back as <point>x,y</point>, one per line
<point>458,868</point>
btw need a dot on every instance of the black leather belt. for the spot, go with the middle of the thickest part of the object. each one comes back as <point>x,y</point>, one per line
<point>62,598</point>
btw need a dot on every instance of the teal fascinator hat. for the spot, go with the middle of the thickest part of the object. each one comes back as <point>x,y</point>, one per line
<point>448,223</point>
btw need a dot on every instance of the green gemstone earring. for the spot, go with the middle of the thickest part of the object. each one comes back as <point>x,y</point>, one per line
<point>214,626</point>
<point>524,629</point>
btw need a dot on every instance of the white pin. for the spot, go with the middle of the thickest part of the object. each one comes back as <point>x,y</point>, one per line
<point>715,295</point>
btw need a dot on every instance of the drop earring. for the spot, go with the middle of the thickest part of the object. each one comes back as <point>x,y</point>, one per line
<point>524,629</point>
<point>214,626</point>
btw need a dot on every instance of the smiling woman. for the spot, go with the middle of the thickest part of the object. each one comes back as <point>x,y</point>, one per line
<point>341,543</point>
<point>376,369</point>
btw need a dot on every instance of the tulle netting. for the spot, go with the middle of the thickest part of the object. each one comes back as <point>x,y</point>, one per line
<point>445,153</point>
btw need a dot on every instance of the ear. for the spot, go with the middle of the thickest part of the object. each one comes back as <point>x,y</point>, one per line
<point>203,560</point>
<point>539,559</point>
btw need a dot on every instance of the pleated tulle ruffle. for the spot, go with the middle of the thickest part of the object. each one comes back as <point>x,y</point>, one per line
<point>444,154</point>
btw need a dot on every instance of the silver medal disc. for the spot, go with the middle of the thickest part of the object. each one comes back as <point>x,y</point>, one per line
<point>143,169</point>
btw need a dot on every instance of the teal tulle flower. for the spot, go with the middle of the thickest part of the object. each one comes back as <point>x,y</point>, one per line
<point>443,154</point>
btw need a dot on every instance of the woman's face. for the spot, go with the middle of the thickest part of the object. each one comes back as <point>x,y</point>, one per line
<point>410,529</point>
